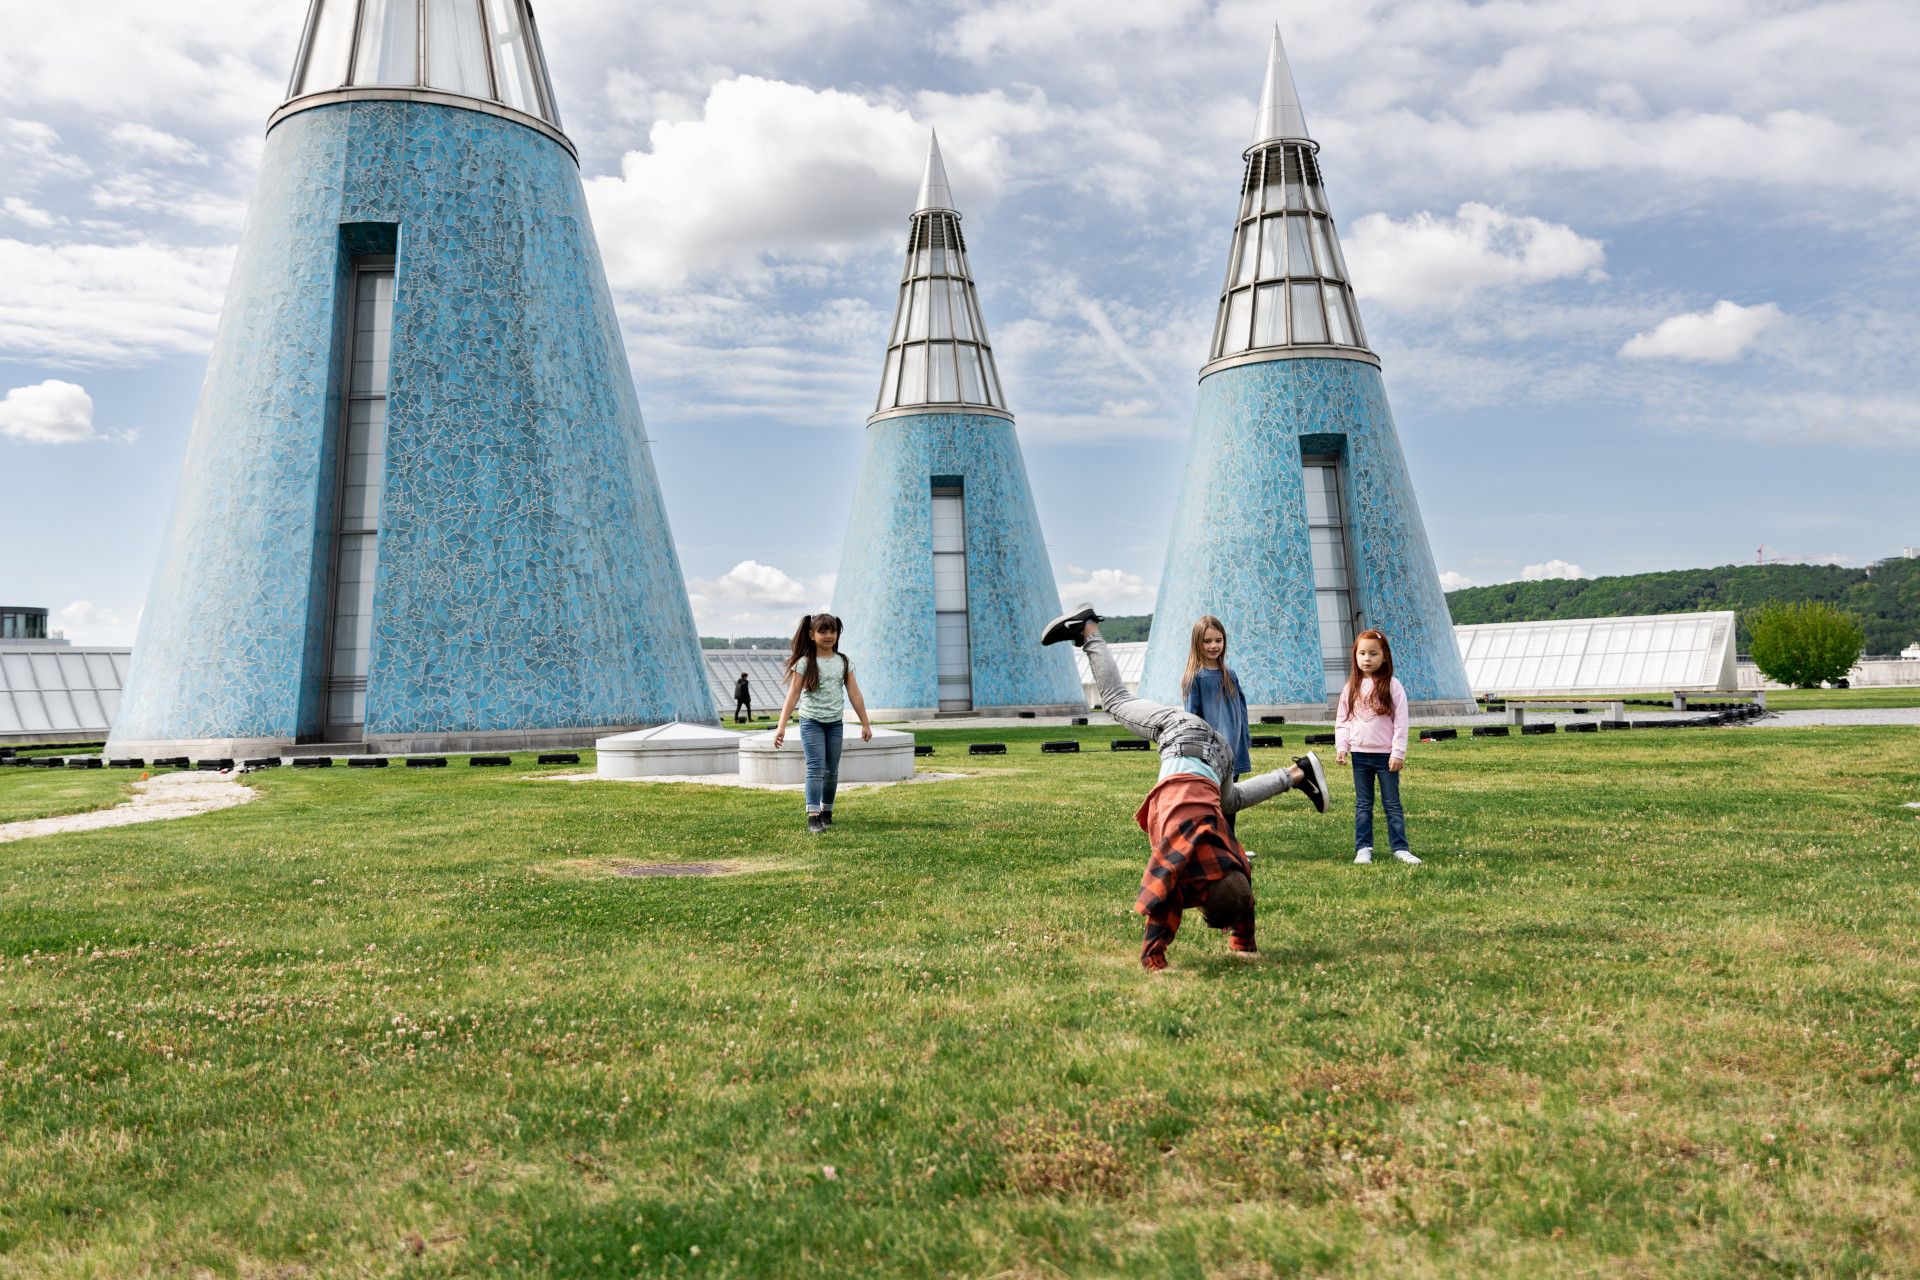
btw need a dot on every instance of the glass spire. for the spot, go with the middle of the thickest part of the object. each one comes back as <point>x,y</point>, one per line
<point>938,355</point>
<point>1286,284</point>
<point>483,49</point>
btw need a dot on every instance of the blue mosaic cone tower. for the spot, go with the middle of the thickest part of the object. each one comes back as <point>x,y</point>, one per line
<point>417,510</point>
<point>1297,525</point>
<point>944,580</point>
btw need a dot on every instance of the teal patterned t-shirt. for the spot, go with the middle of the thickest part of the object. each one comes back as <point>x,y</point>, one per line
<point>826,701</point>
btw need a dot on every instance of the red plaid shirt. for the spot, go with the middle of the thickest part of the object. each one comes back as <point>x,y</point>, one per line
<point>1191,849</point>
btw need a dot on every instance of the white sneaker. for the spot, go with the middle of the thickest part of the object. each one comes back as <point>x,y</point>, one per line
<point>1364,856</point>
<point>1406,857</point>
<point>1249,852</point>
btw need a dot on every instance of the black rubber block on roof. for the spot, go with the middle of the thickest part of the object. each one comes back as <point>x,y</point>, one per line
<point>1535,730</point>
<point>1268,740</point>
<point>1129,744</point>
<point>427,762</point>
<point>366,762</point>
<point>1490,731</point>
<point>560,757</point>
<point>986,748</point>
<point>1059,748</point>
<point>922,749</point>
<point>488,762</point>
<point>313,762</point>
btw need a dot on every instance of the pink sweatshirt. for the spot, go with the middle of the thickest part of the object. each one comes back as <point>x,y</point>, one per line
<point>1359,729</point>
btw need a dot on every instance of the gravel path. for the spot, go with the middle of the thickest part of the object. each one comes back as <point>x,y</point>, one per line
<point>171,795</point>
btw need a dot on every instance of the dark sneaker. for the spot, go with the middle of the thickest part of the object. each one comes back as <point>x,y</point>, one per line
<point>826,817</point>
<point>814,824</point>
<point>1069,625</point>
<point>1314,784</point>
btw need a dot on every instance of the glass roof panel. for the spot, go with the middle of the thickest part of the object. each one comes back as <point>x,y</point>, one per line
<point>937,301</point>
<point>1299,244</point>
<point>483,49</point>
<point>1598,655</point>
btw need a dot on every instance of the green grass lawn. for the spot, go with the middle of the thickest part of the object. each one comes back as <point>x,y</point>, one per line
<point>1780,699</point>
<point>50,793</point>
<point>1652,1007</point>
<point>1837,699</point>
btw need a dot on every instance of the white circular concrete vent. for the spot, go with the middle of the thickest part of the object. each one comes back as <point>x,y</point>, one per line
<point>666,749</point>
<point>888,758</point>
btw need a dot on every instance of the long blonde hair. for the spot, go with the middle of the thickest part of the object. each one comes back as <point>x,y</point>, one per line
<point>1196,659</point>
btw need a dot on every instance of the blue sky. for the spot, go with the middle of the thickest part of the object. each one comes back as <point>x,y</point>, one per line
<point>1643,276</point>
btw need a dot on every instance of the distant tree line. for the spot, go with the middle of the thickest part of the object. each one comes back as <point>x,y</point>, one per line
<point>746,642</point>
<point>1885,597</point>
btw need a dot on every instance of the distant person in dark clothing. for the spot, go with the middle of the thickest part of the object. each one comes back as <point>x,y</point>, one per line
<point>742,699</point>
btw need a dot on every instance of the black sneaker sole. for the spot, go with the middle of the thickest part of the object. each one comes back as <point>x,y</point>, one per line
<point>1068,625</point>
<point>1314,783</point>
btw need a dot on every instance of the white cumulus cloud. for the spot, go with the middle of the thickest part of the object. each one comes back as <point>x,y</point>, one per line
<point>1713,337</point>
<point>769,171</point>
<point>1551,569</point>
<point>146,140</point>
<point>1451,581</point>
<point>85,622</point>
<point>50,412</point>
<point>756,599</point>
<point>100,303</point>
<point>1112,591</point>
<point>1428,260</point>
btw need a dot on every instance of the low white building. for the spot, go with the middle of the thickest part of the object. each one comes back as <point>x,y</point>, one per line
<point>52,691</point>
<point>1646,654</point>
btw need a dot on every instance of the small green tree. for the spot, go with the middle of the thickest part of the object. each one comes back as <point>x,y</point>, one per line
<point>1804,643</point>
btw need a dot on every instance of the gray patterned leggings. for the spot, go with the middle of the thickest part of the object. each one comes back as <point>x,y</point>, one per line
<point>1179,733</point>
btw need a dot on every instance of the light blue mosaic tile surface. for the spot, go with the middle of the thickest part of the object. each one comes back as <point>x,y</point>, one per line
<point>1240,551</point>
<point>527,578</point>
<point>884,592</point>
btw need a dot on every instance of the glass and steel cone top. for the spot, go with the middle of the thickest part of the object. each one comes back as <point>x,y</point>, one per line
<point>938,356</point>
<point>485,50</point>
<point>1286,285</point>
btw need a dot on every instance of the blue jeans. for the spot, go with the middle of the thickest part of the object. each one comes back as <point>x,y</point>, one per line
<point>821,743</point>
<point>1368,765</point>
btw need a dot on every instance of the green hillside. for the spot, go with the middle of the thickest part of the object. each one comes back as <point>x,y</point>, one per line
<point>1886,596</point>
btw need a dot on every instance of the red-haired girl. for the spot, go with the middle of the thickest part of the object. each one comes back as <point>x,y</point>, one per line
<point>1371,727</point>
